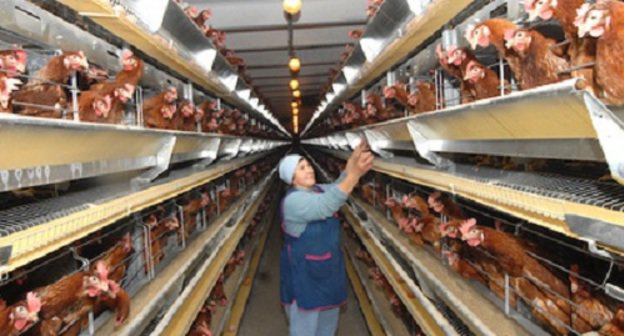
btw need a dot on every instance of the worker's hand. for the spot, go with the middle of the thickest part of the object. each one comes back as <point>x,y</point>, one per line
<point>359,149</point>
<point>362,164</point>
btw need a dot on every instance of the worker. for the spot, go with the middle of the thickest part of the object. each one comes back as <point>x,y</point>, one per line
<point>313,283</point>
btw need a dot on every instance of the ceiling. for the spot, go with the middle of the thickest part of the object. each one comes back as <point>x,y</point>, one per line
<point>256,30</point>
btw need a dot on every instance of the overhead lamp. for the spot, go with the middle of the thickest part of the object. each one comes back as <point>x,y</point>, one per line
<point>296,93</point>
<point>294,64</point>
<point>295,111</point>
<point>292,7</point>
<point>294,104</point>
<point>294,84</point>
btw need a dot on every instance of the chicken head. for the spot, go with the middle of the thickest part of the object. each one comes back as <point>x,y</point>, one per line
<point>455,55</point>
<point>128,61</point>
<point>13,61</point>
<point>102,106</point>
<point>199,113</point>
<point>76,61</point>
<point>206,14</point>
<point>172,223</point>
<point>518,40</point>
<point>168,111</point>
<point>25,315</point>
<point>389,92</point>
<point>449,230</point>
<point>478,35</point>
<point>98,282</point>
<point>470,233</point>
<point>191,11</point>
<point>124,93</point>
<point>592,20</point>
<point>543,9</point>
<point>187,109</point>
<point>171,95</point>
<point>474,72</point>
<point>213,125</point>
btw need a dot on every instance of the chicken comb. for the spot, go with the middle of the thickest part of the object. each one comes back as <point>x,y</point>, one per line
<point>509,34</point>
<point>432,199</point>
<point>467,225</point>
<point>126,53</point>
<point>21,54</point>
<point>451,48</point>
<point>10,85</point>
<point>444,228</point>
<point>529,5</point>
<point>101,270</point>
<point>469,31</point>
<point>581,13</point>
<point>33,302</point>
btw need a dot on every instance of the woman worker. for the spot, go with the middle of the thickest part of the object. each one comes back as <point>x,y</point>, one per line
<point>313,281</point>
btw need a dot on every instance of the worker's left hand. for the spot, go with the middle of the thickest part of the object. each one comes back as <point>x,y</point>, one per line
<point>359,149</point>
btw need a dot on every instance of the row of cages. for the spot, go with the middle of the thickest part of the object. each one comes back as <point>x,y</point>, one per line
<point>65,293</point>
<point>214,312</point>
<point>552,281</point>
<point>478,87</point>
<point>488,52</point>
<point>45,75</point>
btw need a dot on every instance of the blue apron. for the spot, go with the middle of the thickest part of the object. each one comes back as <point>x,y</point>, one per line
<point>312,267</point>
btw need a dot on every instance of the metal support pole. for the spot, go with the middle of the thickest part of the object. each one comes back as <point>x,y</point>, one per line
<point>507,294</point>
<point>501,70</point>
<point>182,226</point>
<point>74,94</point>
<point>139,105</point>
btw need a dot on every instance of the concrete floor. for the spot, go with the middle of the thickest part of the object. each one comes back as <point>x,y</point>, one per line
<point>264,315</point>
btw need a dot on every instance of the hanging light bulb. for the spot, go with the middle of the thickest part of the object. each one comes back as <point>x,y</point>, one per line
<point>292,7</point>
<point>293,104</point>
<point>294,84</point>
<point>296,93</point>
<point>294,64</point>
<point>295,111</point>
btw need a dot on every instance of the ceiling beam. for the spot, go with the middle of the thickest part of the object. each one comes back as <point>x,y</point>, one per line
<point>277,66</point>
<point>324,74</point>
<point>285,48</point>
<point>319,25</point>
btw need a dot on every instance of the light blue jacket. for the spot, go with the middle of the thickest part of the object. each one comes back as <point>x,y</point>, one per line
<point>304,206</point>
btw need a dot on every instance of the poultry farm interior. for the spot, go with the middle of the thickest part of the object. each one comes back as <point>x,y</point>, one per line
<point>148,201</point>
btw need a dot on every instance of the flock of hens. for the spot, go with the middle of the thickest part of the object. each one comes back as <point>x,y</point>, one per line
<point>593,41</point>
<point>62,307</point>
<point>485,254</point>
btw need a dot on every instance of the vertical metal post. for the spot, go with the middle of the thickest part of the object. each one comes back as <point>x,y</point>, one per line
<point>507,294</point>
<point>387,196</point>
<point>91,322</point>
<point>74,94</point>
<point>139,106</point>
<point>218,202</point>
<point>436,79</point>
<point>147,246</point>
<point>501,70</point>
<point>363,98</point>
<point>182,226</point>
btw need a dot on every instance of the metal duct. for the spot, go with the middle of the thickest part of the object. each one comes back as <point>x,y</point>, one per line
<point>151,13</point>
